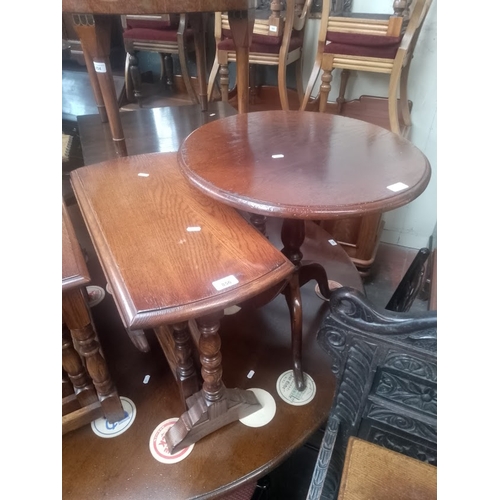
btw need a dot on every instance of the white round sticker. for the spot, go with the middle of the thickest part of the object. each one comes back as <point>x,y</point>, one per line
<point>290,394</point>
<point>265,414</point>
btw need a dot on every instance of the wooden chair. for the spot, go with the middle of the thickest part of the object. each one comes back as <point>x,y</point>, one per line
<point>165,34</point>
<point>374,43</point>
<point>386,393</point>
<point>277,40</point>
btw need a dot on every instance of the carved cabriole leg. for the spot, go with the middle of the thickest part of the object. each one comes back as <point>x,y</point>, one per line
<point>292,236</point>
<point>344,77</point>
<point>176,344</point>
<point>77,318</point>
<point>214,406</point>
<point>73,366</point>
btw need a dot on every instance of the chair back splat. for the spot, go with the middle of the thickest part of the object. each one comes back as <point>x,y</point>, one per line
<point>386,391</point>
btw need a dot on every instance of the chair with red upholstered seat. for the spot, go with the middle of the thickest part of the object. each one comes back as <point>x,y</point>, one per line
<point>375,43</point>
<point>277,40</point>
<point>165,34</point>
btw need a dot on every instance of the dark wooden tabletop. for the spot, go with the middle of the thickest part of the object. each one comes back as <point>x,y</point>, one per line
<point>164,245</point>
<point>303,165</point>
<point>154,6</point>
<point>74,270</point>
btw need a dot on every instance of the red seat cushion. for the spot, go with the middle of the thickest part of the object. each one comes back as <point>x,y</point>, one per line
<point>263,44</point>
<point>173,24</point>
<point>355,44</point>
<point>169,35</point>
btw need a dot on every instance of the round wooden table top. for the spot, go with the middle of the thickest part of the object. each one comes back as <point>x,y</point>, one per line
<point>303,164</point>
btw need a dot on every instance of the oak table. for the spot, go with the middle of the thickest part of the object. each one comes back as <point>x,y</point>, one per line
<point>171,255</point>
<point>94,394</point>
<point>93,24</point>
<point>301,165</point>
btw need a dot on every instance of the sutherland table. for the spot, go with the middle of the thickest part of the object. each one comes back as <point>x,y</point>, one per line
<point>93,26</point>
<point>170,255</point>
<point>303,165</point>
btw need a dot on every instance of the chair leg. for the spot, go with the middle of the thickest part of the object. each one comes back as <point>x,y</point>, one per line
<point>344,77</point>
<point>212,80</point>
<point>135,75</point>
<point>129,90</point>
<point>168,76</point>
<point>283,91</point>
<point>184,70</point>
<point>324,89</point>
<point>224,82</point>
<point>298,79</point>
<point>403,95</point>
<point>393,103</point>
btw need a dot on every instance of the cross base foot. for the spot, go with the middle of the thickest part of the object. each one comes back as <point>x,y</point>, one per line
<point>204,417</point>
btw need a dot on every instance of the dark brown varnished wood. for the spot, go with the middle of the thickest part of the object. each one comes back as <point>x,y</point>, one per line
<point>302,165</point>
<point>333,166</point>
<point>93,388</point>
<point>172,254</point>
<point>147,130</point>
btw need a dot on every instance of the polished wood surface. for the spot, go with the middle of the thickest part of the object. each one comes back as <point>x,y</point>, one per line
<point>88,391</point>
<point>302,165</point>
<point>372,472</point>
<point>332,166</point>
<point>147,130</point>
<point>143,217</point>
<point>171,254</point>
<point>74,271</point>
<point>154,6</point>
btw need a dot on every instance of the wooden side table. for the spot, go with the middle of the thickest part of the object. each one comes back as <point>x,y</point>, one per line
<point>94,394</point>
<point>171,255</point>
<point>372,472</point>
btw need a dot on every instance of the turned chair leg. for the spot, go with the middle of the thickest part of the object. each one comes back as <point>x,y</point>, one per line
<point>324,89</point>
<point>167,70</point>
<point>135,76</point>
<point>344,76</point>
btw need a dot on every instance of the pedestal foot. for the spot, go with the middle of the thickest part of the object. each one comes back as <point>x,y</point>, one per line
<point>205,417</point>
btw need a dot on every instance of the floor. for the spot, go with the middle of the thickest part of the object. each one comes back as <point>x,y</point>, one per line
<point>289,481</point>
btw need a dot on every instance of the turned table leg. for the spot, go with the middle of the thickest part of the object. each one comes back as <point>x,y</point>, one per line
<point>214,406</point>
<point>293,234</point>
<point>77,318</point>
<point>176,344</point>
<point>73,366</point>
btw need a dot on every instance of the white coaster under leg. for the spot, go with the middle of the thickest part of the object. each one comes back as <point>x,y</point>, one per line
<point>265,414</point>
<point>105,429</point>
<point>288,392</point>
